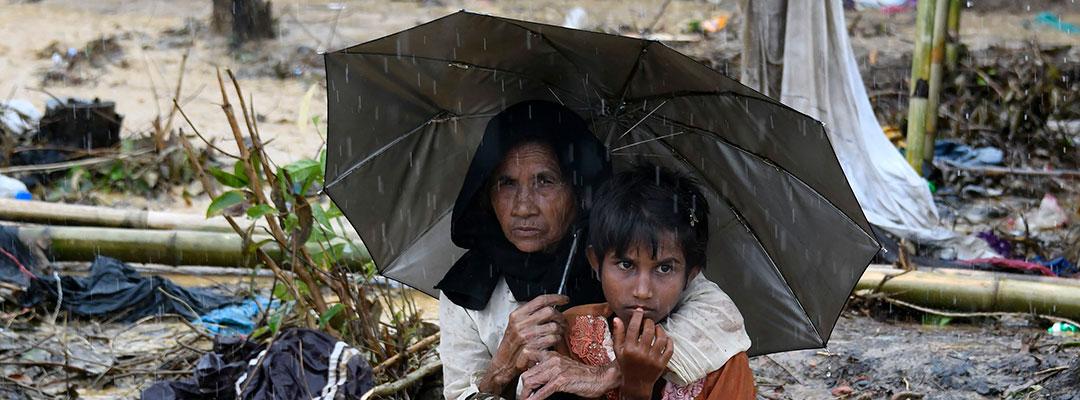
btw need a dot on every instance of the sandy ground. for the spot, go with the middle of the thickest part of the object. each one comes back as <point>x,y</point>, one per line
<point>877,360</point>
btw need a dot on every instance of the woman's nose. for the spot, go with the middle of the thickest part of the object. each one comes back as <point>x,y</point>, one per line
<point>524,201</point>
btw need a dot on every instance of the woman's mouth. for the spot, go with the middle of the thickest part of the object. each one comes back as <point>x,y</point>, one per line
<point>526,231</point>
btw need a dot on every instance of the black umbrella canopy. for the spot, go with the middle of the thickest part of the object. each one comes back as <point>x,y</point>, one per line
<point>407,111</point>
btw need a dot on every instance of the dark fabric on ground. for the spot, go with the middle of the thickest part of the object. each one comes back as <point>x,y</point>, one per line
<point>116,292</point>
<point>11,246</point>
<point>296,366</point>
<point>215,373</point>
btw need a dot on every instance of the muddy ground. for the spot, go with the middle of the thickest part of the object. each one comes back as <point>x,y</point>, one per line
<point>871,359</point>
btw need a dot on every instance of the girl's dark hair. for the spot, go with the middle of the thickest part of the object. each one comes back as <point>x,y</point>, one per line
<point>639,205</point>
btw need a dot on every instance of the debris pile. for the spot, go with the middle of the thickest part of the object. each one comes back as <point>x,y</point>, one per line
<point>74,66</point>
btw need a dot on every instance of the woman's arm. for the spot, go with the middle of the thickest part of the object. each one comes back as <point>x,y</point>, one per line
<point>468,365</point>
<point>462,352</point>
<point>707,330</point>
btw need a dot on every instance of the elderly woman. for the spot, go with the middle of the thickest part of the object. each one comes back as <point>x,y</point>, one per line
<point>523,202</point>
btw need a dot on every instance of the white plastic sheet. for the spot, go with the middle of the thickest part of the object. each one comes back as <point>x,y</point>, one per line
<point>820,78</point>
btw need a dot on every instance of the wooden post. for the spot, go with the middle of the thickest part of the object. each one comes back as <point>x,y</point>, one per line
<point>937,65</point>
<point>920,76</point>
<point>952,47</point>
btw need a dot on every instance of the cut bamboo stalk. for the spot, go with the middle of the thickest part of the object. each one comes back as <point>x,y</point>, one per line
<point>952,47</point>
<point>978,291</point>
<point>41,212</point>
<point>937,71</point>
<point>155,246</point>
<point>920,75</point>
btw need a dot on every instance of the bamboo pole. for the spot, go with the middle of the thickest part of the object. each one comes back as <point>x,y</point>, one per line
<point>977,291</point>
<point>155,246</point>
<point>937,64</point>
<point>41,212</point>
<point>920,75</point>
<point>952,47</point>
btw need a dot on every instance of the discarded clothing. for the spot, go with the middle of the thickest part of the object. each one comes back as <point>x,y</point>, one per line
<point>299,364</point>
<point>1001,246</point>
<point>115,291</point>
<point>237,319</point>
<point>1052,20</point>
<point>215,373</point>
<point>955,153</point>
<point>1059,266</point>
<point>1014,265</point>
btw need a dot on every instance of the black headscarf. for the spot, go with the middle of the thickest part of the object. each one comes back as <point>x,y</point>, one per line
<point>583,161</point>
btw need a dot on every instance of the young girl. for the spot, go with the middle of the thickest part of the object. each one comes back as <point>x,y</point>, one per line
<point>647,240</point>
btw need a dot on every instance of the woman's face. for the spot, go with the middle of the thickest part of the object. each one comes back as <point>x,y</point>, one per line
<point>533,204</point>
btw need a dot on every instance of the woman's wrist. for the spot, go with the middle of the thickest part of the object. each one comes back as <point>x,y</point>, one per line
<point>497,376</point>
<point>612,377</point>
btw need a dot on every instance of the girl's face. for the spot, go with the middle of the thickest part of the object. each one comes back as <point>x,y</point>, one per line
<point>640,281</point>
<point>533,204</point>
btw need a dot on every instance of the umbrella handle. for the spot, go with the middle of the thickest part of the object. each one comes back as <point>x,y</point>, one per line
<point>569,262</point>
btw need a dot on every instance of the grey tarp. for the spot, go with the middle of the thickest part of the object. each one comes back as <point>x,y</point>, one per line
<point>407,111</point>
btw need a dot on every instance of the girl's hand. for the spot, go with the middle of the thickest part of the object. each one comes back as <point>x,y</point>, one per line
<point>642,350</point>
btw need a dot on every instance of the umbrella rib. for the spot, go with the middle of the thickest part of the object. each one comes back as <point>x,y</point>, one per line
<point>442,116</point>
<point>642,120</point>
<point>770,162</point>
<point>626,86</point>
<point>742,221</point>
<point>466,65</point>
<point>646,141</point>
<point>382,149</point>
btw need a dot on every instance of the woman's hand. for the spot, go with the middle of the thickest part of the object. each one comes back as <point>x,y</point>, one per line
<point>642,351</point>
<point>532,329</point>
<point>557,373</point>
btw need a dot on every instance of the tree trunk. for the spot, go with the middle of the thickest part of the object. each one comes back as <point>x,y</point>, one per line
<point>244,20</point>
<point>221,17</point>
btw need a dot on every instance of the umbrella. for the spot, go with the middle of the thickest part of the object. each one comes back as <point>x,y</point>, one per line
<point>407,111</point>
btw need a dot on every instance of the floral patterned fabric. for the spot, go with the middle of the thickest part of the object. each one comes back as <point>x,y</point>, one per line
<point>589,339</point>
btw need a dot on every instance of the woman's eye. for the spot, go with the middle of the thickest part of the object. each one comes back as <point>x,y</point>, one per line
<point>624,265</point>
<point>544,180</point>
<point>664,269</point>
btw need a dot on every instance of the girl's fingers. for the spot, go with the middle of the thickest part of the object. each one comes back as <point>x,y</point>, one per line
<point>633,331</point>
<point>619,334</point>
<point>663,342</point>
<point>648,333</point>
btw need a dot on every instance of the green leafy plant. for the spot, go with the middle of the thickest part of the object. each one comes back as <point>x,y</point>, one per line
<point>322,272</point>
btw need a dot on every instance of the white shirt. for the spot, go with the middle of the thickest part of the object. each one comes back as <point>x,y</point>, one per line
<point>706,328</point>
